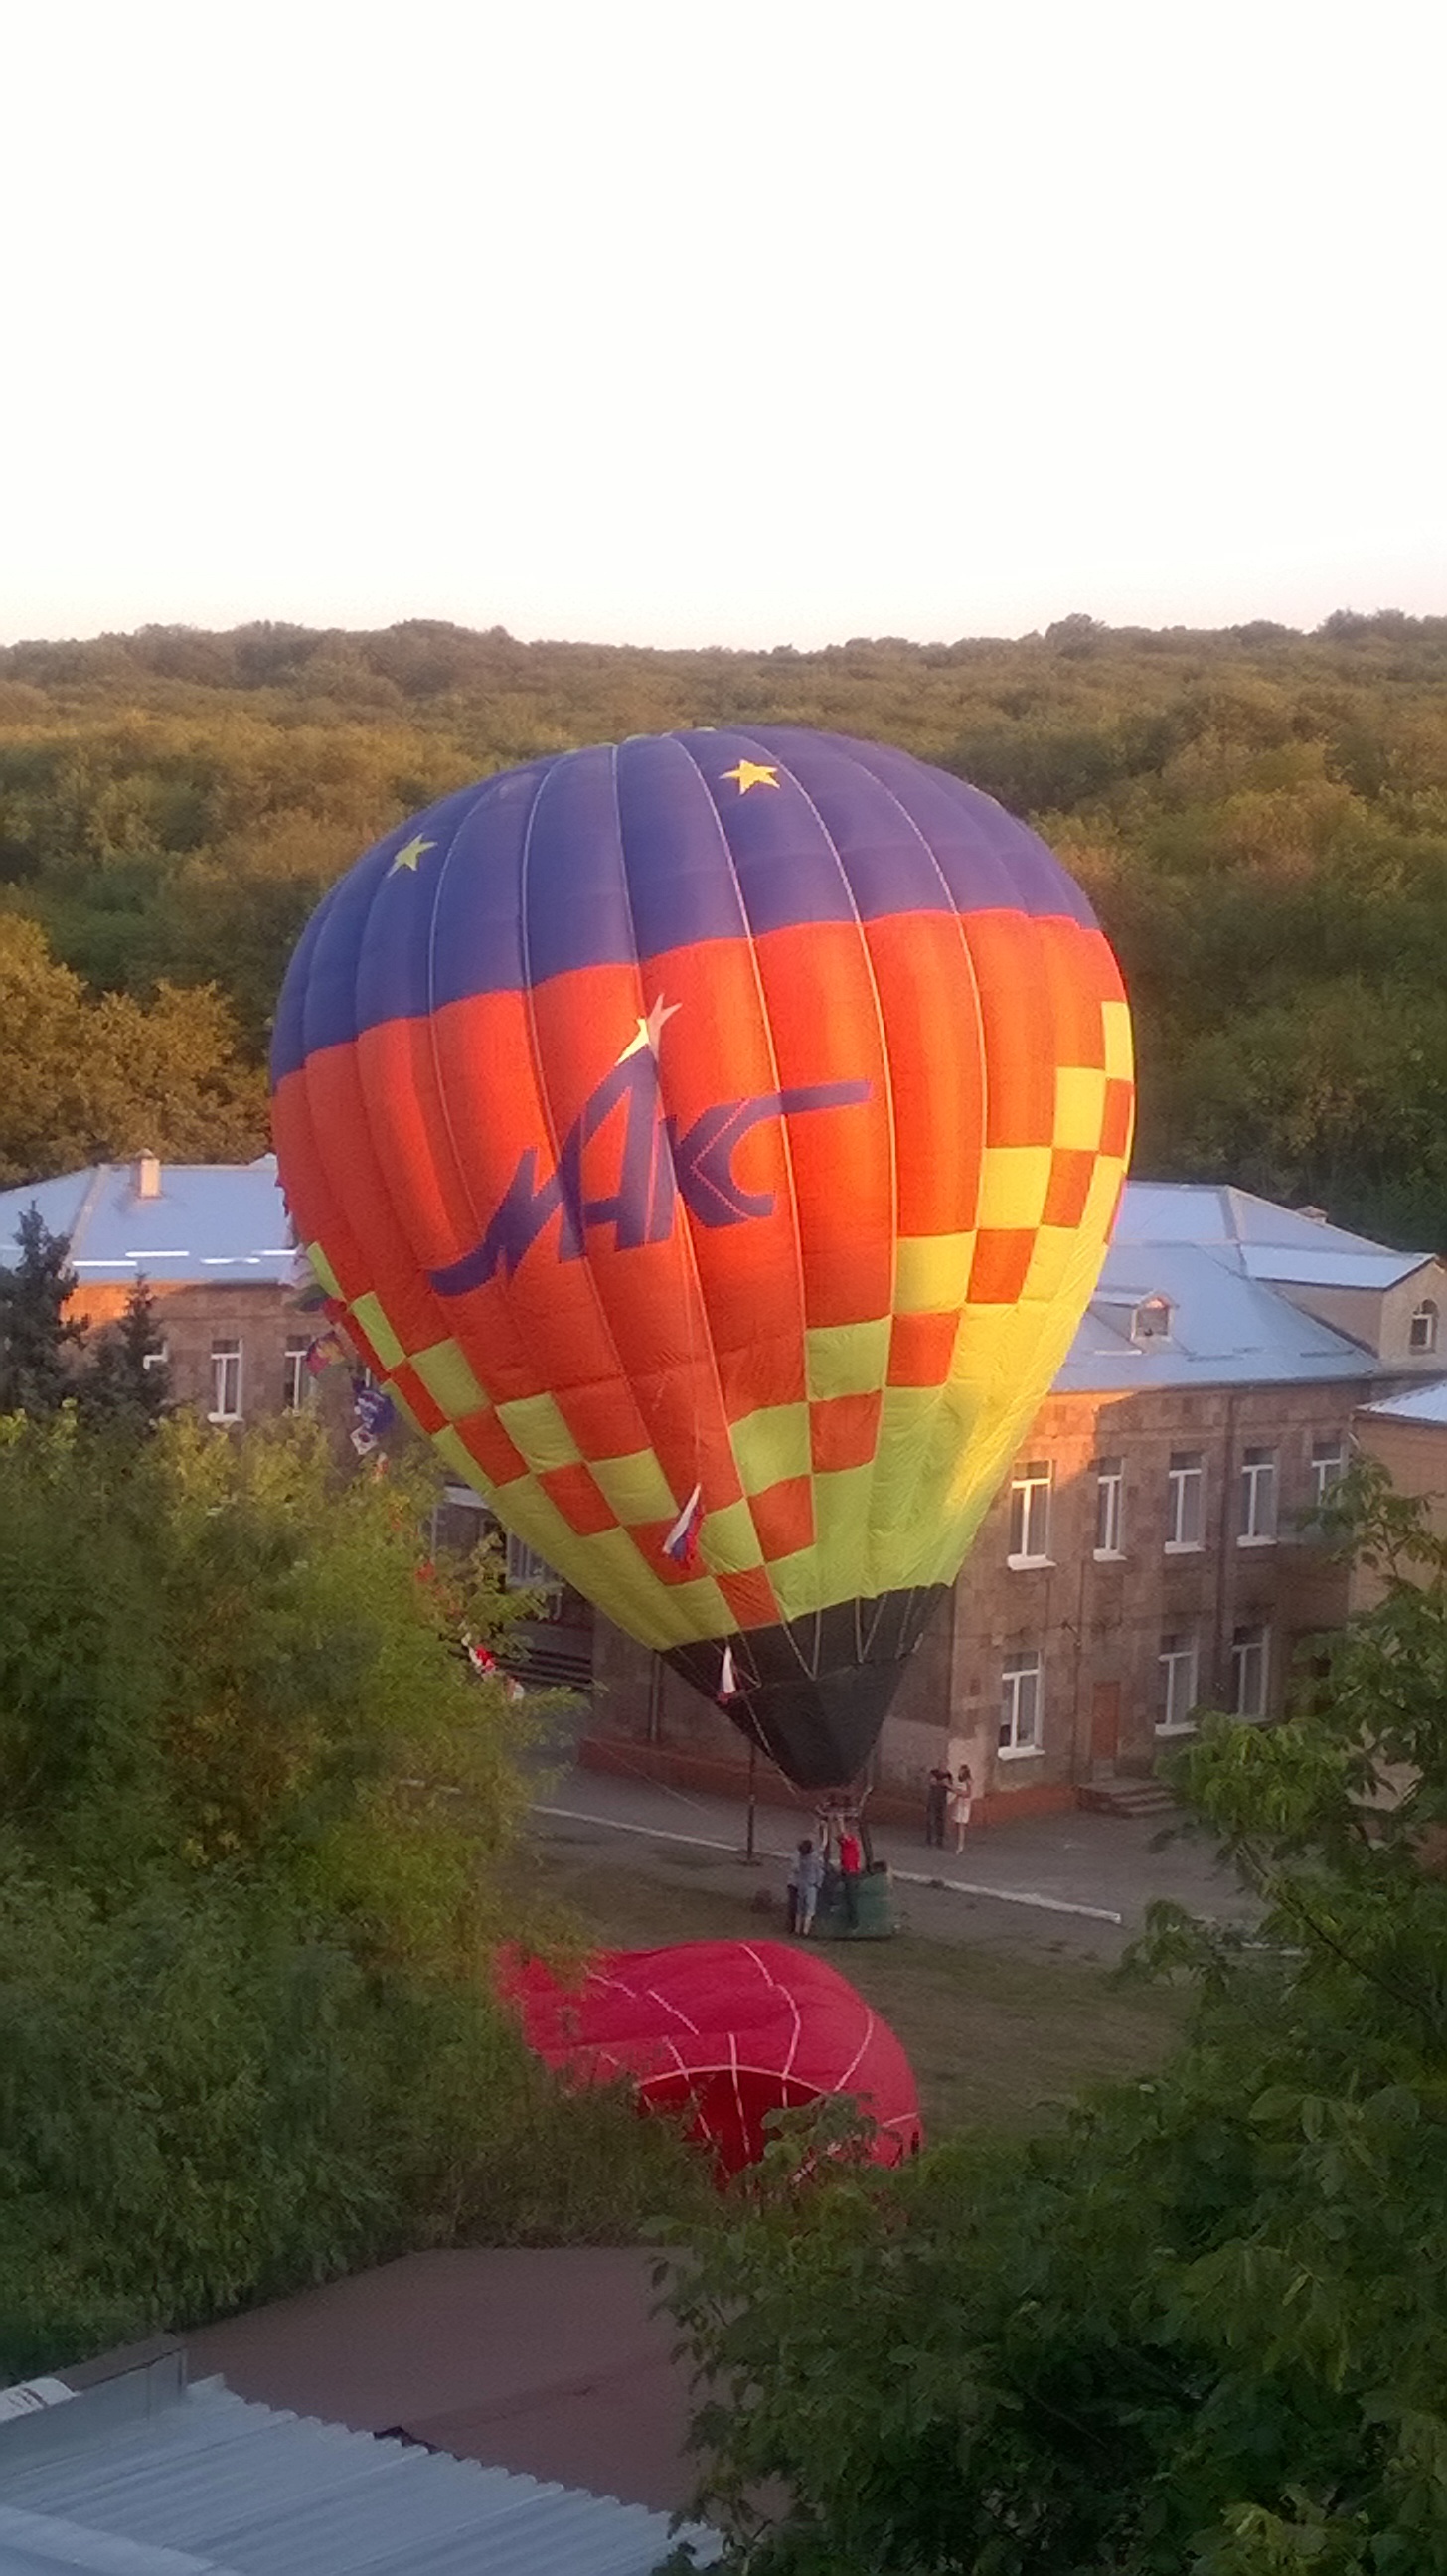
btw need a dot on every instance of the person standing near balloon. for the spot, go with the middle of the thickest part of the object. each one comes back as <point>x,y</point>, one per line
<point>851,1862</point>
<point>936,1804</point>
<point>806,1877</point>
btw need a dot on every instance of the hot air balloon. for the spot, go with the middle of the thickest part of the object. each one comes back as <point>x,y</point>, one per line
<point>719,2033</point>
<point>711,1141</point>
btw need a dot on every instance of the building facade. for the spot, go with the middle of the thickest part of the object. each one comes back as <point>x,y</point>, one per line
<point>213,1244</point>
<point>1150,1553</point>
<point>1152,1550</point>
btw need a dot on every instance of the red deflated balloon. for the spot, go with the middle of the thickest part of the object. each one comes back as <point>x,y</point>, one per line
<point>719,2033</point>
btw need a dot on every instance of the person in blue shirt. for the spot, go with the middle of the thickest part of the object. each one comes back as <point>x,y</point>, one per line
<point>806,1877</point>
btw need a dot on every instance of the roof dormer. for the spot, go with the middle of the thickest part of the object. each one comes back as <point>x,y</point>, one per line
<point>1151,1320</point>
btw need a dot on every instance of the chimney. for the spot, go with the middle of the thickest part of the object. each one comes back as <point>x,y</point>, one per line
<point>148,1176</point>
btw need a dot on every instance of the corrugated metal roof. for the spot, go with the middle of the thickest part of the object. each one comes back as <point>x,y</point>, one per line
<point>1421,1404</point>
<point>164,2481</point>
<point>223,1222</point>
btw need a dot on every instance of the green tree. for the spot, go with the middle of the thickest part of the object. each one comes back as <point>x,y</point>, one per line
<point>84,1080</point>
<point>127,1383</point>
<point>255,1812</point>
<point>217,1654</point>
<point>37,1339</point>
<point>1199,2331</point>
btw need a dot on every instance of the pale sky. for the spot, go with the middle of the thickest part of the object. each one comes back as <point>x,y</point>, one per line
<point>776,321</point>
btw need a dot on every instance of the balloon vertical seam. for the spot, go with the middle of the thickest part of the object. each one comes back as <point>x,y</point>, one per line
<point>535,1052</point>
<point>732,866</point>
<point>864,1641</point>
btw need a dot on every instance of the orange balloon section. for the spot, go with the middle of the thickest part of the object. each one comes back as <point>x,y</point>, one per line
<point>712,1141</point>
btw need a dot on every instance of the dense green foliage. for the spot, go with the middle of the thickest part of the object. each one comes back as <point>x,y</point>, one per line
<point>48,1358</point>
<point>1202,2330</point>
<point>254,1808</point>
<point>1261,818</point>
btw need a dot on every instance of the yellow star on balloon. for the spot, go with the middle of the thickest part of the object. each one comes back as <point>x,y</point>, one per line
<point>754,773</point>
<point>409,857</point>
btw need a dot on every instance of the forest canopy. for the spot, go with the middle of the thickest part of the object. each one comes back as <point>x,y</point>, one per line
<point>1259,816</point>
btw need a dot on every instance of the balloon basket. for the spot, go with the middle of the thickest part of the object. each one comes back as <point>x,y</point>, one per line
<point>873,1917</point>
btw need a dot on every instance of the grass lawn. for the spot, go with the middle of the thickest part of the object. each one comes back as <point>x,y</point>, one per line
<point>996,2037</point>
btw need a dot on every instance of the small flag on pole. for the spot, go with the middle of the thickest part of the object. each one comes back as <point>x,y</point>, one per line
<point>682,1540</point>
<point>727,1684</point>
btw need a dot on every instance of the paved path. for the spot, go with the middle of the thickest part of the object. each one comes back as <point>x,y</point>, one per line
<point>1073,1881</point>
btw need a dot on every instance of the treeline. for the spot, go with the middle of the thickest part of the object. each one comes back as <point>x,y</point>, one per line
<point>1260,817</point>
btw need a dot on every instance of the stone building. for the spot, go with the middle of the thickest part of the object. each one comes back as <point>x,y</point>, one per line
<point>1151,1551</point>
<point>1407,1434</point>
<point>214,1246</point>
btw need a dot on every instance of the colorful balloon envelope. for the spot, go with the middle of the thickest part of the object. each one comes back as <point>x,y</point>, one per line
<point>717,2034</point>
<point>712,1140</point>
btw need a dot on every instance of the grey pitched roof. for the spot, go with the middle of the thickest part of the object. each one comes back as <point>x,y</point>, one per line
<point>1419,1404</point>
<point>224,1222</point>
<point>1216,1213</point>
<point>161,2480</point>
<point>1221,1256</point>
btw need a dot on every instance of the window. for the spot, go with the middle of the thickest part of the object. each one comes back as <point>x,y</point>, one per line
<point>1020,1709</point>
<point>1185,1498</point>
<point>226,1381</point>
<point>529,1572</point>
<point>1109,1502</point>
<point>1179,1689</point>
<point>1249,1672</point>
<point>1030,1513</point>
<point>1151,1321</point>
<point>1422,1330</point>
<point>157,1358</point>
<point>1258,1498</point>
<point>1328,1466</point>
<point>296,1383</point>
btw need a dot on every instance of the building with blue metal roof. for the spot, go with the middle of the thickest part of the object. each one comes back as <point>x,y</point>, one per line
<point>213,1244</point>
<point>1150,1552</point>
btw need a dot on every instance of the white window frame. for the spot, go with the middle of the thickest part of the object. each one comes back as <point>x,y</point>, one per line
<point>1109,1508</point>
<point>526,1571</point>
<point>1180,1663</point>
<point>296,1378</point>
<point>1030,1494</point>
<point>1328,1465</point>
<point>1187,1471</point>
<point>1250,1670</point>
<point>1021,1729</point>
<point>227,1357</point>
<point>158,1357</point>
<point>1257,1487</point>
<point>1420,1342</point>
